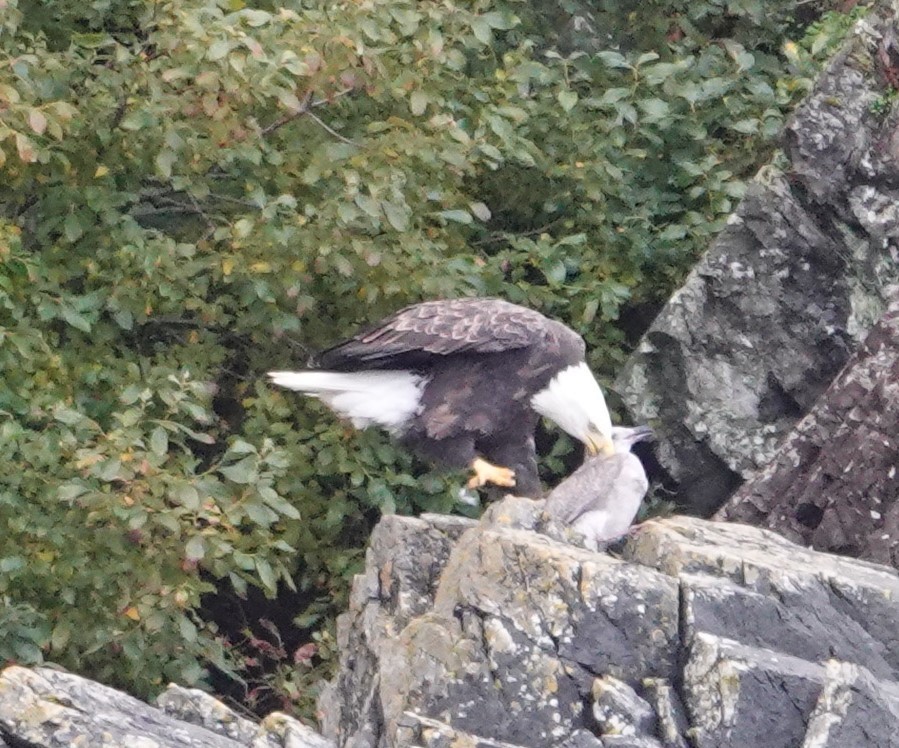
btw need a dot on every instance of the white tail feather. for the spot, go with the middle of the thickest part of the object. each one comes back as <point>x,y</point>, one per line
<point>383,398</point>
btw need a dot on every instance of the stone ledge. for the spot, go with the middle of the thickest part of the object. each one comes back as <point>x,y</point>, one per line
<point>47,708</point>
<point>527,640</point>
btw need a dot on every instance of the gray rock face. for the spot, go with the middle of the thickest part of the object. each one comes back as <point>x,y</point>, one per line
<point>833,483</point>
<point>741,696</point>
<point>46,708</point>
<point>394,588</point>
<point>772,312</point>
<point>851,708</point>
<point>698,634</point>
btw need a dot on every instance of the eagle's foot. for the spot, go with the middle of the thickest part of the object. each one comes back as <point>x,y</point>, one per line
<point>486,472</point>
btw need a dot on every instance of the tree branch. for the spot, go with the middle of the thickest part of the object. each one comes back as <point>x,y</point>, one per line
<point>306,109</point>
<point>331,130</point>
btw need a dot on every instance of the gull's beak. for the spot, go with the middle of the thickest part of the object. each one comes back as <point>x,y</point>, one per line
<point>597,443</point>
<point>643,433</point>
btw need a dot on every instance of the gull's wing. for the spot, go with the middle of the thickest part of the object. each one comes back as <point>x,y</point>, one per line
<point>590,487</point>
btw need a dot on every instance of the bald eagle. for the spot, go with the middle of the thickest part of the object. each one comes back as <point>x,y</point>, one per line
<point>463,382</point>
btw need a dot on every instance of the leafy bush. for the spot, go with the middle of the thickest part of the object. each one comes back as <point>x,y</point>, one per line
<point>195,192</point>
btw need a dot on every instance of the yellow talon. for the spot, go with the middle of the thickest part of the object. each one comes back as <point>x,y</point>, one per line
<point>485,472</point>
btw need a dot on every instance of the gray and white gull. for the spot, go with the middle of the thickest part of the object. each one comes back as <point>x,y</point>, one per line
<point>602,497</point>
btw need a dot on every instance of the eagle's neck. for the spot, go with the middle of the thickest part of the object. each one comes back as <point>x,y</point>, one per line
<point>574,400</point>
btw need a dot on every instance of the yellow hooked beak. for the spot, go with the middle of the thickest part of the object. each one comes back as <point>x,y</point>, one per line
<point>599,444</point>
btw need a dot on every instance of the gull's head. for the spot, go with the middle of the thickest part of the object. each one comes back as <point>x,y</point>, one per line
<point>574,400</point>
<point>624,437</point>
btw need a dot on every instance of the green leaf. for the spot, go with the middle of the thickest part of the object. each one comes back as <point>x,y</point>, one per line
<point>243,227</point>
<point>187,629</point>
<point>37,121</point>
<point>72,228</point>
<point>555,272</point>
<point>266,575</point>
<point>655,109</point>
<point>239,584</point>
<point>260,514</point>
<point>198,413</point>
<point>244,561</point>
<point>241,447</point>
<point>164,161</point>
<point>186,495</point>
<point>159,441</point>
<point>110,470</point>
<point>71,491</point>
<point>218,49</point>
<point>611,95</point>
<point>92,41</point>
<point>311,174</point>
<point>646,57</point>
<point>68,416</point>
<point>673,232</point>
<point>12,563</point>
<point>289,100</point>
<point>418,102</point>
<point>397,216</point>
<point>567,100</point>
<point>369,205</point>
<point>480,211</point>
<point>131,394</point>
<point>746,126</point>
<point>497,20</point>
<point>27,653</point>
<point>124,319</point>
<point>457,216</point>
<point>613,59</point>
<point>279,504</point>
<point>664,71</point>
<point>745,61</point>
<point>481,29</point>
<point>62,634</point>
<point>169,522</point>
<point>572,240</point>
<point>75,319</point>
<point>242,472</point>
<point>256,18</point>
<point>306,620</point>
<point>195,548</point>
<point>139,120</point>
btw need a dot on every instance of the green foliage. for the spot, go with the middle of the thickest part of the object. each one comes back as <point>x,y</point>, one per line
<point>196,192</point>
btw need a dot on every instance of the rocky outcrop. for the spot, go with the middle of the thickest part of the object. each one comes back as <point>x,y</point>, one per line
<point>696,634</point>
<point>48,708</point>
<point>834,483</point>
<point>773,311</point>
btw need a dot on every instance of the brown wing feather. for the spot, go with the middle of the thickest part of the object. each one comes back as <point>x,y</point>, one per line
<point>441,328</point>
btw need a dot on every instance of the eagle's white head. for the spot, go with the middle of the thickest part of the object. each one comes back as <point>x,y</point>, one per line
<point>574,401</point>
